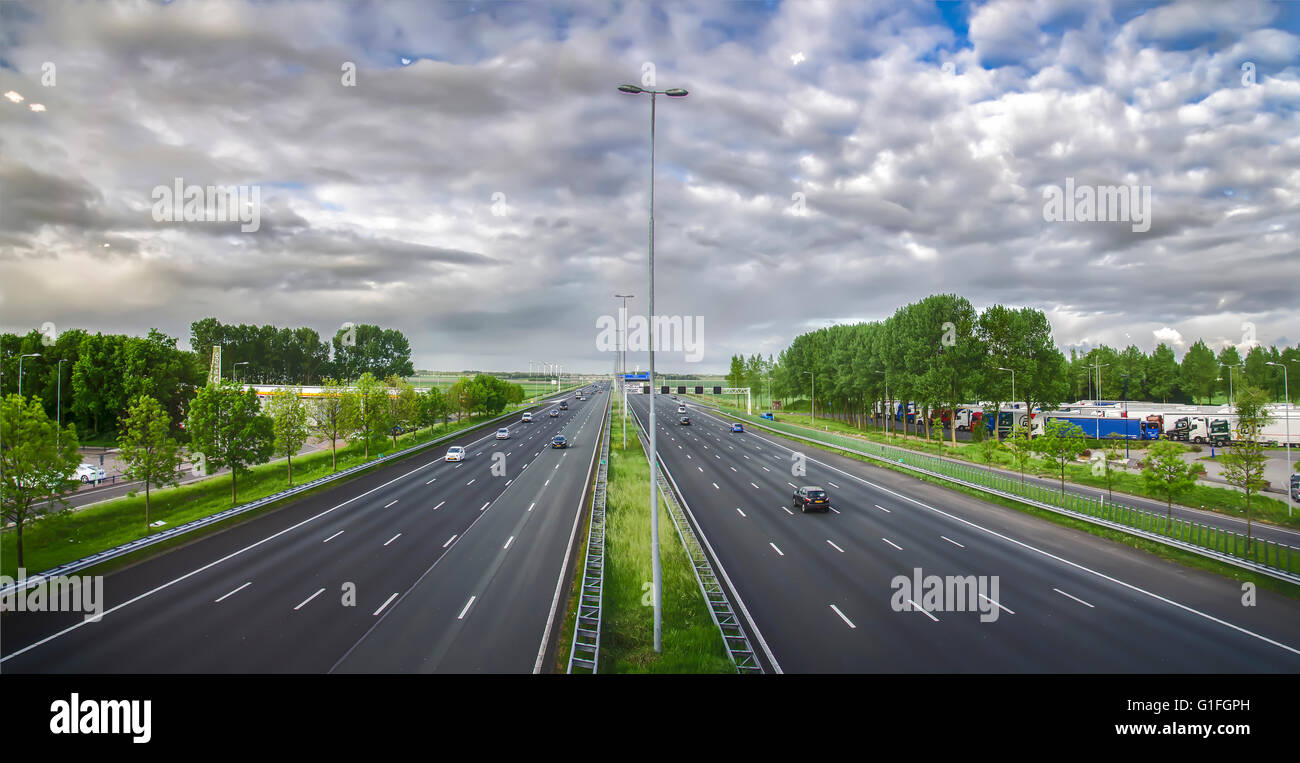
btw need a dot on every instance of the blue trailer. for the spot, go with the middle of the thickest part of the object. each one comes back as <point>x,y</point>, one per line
<point>1126,428</point>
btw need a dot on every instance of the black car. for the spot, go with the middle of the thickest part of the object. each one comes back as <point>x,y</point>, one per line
<point>558,441</point>
<point>564,405</point>
<point>684,421</point>
<point>811,498</point>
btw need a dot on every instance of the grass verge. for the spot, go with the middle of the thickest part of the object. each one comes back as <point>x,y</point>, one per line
<point>69,535</point>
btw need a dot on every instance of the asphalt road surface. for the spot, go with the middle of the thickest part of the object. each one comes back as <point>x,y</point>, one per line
<point>423,565</point>
<point>817,591</point>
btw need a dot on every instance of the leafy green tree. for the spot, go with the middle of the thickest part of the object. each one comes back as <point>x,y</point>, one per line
<point>1162,373</point>
<point>403,407</point>
<point>1102,466</point>
<point>1228,370</point>
<point>146,445</point>
<point>1199,371</point>
<point>1021,446</point>
<point>373,350</point>
<point>289,415</point>
<point>37,463</point>
<point>333,417</point>
<point>433,407</point>
<point>988,447</point>
<point>1167,474</point>
<point>1243,464</point>
<point>228,428</point>
<point>371,407</point>
<point>1061,443</point>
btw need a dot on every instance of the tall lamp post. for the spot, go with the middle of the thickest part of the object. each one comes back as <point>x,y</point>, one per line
<point>650,312</point>
<point>1232,400</point>
<point>20,369</point>
<point>234,373</point>
<point>1125,378</point>
<point>622,319</point>
<point>813,408</point>
<point>1286,390</point>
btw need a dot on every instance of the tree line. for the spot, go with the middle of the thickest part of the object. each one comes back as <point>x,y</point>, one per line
<point>102,374</point>
<point>225,427</point>
<point>938,352</point>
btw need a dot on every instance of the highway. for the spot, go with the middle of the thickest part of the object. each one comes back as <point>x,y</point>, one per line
<point>419,566</point>
<point>1209,518</point>
<point>815,590</point>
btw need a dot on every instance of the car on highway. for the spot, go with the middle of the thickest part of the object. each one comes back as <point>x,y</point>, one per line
<point>684,421</point>
<point>811,498</point>
<point>558,441</point>
<point>88,473</point>
<point>681,409</point>
<point>564,405</point>
<point>503,434</point>
<point>674,397</point>
<point>528,417</point>
<point>553,413</point>
<point>455,453</point>
<point>736,427</point>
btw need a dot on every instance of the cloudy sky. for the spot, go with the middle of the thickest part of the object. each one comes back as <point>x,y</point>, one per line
<point>468,173</point>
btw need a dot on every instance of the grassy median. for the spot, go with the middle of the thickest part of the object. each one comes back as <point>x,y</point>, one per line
<point>71,534</point>
<point>691,640</point>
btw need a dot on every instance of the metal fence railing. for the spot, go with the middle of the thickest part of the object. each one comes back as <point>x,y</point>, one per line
<point>584,653</point>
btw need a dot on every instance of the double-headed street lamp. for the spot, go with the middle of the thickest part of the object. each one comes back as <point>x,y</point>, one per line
<point>1231,399</point>
<point>650,311</point>
<point>1286,391</point>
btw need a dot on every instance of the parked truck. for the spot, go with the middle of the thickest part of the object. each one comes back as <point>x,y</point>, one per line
<point>1199,429</point>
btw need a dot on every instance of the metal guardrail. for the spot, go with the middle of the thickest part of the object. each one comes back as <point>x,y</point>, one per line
<point>724,616</point>
<point>584,652</point>
<point>129,547</point>
<point>1278,560</point>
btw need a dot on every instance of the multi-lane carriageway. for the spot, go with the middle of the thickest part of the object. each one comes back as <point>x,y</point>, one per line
<point>455,569</point>
<point>815,590</point>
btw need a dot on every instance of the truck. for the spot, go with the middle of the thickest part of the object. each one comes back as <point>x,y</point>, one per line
<point>1199,429</point>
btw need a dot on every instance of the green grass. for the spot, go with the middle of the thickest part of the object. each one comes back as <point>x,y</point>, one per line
<point>691,641</point>
<point>69,535</point>
<point>1222,500</point>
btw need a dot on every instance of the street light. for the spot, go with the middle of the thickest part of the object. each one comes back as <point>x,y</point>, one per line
<point>1099,366</point>
<point>1231,399</point>
<point>650,311</point>
<point>1286,391</point>
<point>1125,378</point>
<point>622,383</point>
<point>20,369</point>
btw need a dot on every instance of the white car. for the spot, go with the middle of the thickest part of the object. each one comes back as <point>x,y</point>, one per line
<point>455,453</point>
<point>528,417</point>
<point>503,434</point>
<point>681,409</point>
<point>88,473</point>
